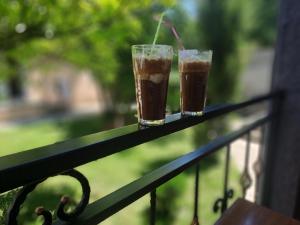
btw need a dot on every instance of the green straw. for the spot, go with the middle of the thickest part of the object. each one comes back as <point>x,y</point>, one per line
<point>157,30</point>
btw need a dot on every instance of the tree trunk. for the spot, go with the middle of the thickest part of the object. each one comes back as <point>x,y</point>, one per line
<point>14,82</point>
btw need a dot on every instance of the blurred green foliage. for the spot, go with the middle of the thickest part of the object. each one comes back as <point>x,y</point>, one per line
<point>227,27</point>
<point>97,35</point>
<point>169,200</point>
<point>223,29</point>
<point>265,19</point>
<point>91,34</point>
<point>5,201</point>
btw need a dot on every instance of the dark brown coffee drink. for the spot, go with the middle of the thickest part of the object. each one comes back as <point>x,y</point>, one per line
<point>193,83</point>
<point>151,82</point>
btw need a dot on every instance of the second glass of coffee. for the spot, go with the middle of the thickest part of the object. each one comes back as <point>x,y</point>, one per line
<point>151,66</point>
<point>194,66</point>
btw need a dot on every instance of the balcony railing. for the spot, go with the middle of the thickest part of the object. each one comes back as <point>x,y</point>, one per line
<point>32,167</point>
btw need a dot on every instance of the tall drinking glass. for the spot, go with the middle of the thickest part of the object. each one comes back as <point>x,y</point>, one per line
<point>194,66</point>
<point>151,67</point>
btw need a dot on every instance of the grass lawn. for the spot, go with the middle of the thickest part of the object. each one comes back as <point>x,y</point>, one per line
<point>111,173</point>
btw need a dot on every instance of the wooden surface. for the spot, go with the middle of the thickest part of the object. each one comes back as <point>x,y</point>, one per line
<point>245,213</point>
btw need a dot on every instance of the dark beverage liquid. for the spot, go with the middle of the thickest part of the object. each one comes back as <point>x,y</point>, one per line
<point>151,84</point>
<point>193,83</point>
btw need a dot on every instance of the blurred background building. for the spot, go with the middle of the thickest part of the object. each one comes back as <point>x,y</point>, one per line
<point>59,90</point>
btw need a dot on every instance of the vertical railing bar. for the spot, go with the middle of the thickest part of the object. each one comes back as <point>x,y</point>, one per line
<point>258,165</point>
<point>227,163</point>
<point>153,207</point>
<point>221,204</point>
<point>196,191</point>
<point>196,196</point>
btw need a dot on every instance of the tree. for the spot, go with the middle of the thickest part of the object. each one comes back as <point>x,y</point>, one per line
<point>265,14</point>
<point>90,34</point>
<point>222,26</point>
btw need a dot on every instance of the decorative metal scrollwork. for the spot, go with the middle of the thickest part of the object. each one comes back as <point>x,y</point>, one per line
<point>221,203</point>
<point>40,211</point>
<point>246,180</point>
<point>257,167</point>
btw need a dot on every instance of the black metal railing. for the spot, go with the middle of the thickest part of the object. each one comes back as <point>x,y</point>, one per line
<point>32,167</point>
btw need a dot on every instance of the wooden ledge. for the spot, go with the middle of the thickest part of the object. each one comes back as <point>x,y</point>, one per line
<point>243,212</point>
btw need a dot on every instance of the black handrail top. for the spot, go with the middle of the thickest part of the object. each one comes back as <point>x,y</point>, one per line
<point>21,168</point>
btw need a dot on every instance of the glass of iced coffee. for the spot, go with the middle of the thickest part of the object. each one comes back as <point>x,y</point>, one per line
<point>151,67</point>
<point>194,66</point>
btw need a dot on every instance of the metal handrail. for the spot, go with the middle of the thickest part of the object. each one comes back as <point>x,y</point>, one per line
<point>114,202</point>
<point>28,166</point>
<point>32,167</point>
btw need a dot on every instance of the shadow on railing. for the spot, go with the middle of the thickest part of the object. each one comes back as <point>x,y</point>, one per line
<point>32,167</point>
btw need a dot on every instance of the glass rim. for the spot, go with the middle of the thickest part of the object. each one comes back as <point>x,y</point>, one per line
<point>199,50</point>
<point>143,46</point>
<point>195,55</point>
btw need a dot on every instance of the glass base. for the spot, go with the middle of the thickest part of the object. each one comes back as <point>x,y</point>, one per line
<point>187,113</point>
<point>152,122</point>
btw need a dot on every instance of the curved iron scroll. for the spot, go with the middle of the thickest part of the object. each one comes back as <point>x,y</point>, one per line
<point>40,211</point>
<point>221,203</point>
